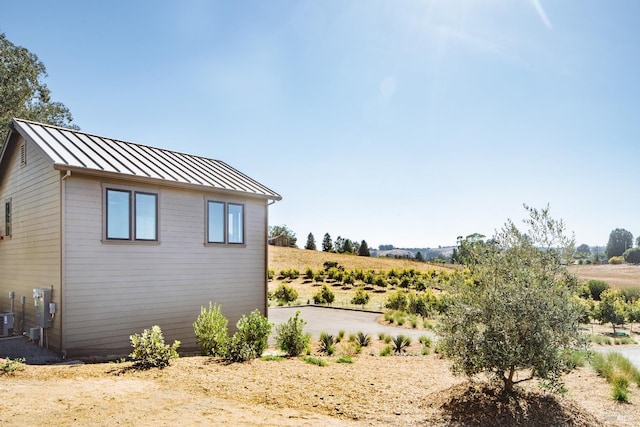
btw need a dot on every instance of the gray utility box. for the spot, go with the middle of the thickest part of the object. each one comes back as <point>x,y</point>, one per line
<point>6,324</point>
<point>42,299</point>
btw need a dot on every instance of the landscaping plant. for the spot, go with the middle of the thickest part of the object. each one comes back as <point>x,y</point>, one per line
<point>290,336</point>
<point>211,332</point>
<point>516,313</point>
<point>150,351</point>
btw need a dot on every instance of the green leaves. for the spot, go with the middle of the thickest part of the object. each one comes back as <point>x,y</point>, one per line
<point>23,93</point>
<point>517,312</point>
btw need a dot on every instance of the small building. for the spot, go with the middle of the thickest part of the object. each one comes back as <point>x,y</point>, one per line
<point>105,238</point>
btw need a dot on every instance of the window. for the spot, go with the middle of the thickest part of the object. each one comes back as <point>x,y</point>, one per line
<point>7,217</point>
<point>23,154</point>
<point>225,222</point>
<point>128,210</point>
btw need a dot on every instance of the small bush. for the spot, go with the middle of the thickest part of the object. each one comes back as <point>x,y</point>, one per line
<point>361,297</point>
<point>315,361</point>
<point>596,287</point>
<point>425,341</point>
<point>620,394</point>
<point>251,339</point>
<point>150,351</point>
<point>290,336</point>
<point>363,339</point>
<point>400,344</point>
<point>386,351</point>
<point>344,359</point>
<point>615,260</point>
<point>327,343</point>
<point>324,295</point>
<point>211,332</point>
<point>271,274</point>
<point>285,293</point>
<point>11,365</point>
<point>340,336</point>
<point>397,301</point>
<point>272,358</point>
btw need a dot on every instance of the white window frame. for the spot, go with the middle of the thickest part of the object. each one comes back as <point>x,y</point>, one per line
<point>132,214</point>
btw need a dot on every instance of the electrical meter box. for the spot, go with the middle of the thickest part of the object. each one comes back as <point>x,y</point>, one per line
<point>42,299</point>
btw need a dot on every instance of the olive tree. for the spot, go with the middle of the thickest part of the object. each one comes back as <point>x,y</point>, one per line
<point>515,318</point>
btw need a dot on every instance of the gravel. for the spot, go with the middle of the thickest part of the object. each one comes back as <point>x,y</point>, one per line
<point>22,347</point>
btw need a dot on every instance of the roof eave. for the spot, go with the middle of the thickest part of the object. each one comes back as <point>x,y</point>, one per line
<point>162,182</point>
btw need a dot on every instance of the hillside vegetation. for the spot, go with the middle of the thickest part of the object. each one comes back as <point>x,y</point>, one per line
<point>281,258</point>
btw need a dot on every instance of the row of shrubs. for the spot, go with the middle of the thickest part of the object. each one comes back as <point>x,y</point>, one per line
<point>408,278</point>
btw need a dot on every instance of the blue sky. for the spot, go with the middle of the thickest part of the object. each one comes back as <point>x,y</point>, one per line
<point>398,122</point>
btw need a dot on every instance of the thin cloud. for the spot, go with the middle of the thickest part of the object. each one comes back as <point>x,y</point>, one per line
<point>542,14</point>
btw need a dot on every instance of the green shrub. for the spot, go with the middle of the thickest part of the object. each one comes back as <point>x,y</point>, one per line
<point>150,351</point>
<point>425,341</point>
<point>272,358</point>
<point>290,336</point>
<point>363,339</point>
<point>250,341</point>
<point>315,361</point>
<point>340,336</point>
<point>397,301</point>
<point>308,273</point>
<point>271,274</point>
<point>344,359</point>
<point>615,260</point>
<point>285,293</point>
<point>386,351</point>
<point>596,287</point>
<point>620,394</point>
<point>327,343</point>
<point>400,344</point>
<point>11,365</point>
<point>360,297</point>
<point>324,296</point>
<point>211,331</point>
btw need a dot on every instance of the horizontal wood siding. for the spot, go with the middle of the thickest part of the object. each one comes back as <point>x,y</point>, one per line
<point>113,290</point>
<point>30,258</point>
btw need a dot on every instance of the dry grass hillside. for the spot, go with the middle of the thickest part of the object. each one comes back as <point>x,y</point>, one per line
<point>617,276</point>
<point>282,258</point>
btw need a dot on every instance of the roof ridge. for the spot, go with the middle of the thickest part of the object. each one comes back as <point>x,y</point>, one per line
<point>115,139</point>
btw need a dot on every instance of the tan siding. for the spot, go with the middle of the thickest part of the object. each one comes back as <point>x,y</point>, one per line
<point>31,257</point>
<point>113,290</point>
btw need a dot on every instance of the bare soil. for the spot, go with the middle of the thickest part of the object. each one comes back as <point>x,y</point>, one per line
<point>409,389</point>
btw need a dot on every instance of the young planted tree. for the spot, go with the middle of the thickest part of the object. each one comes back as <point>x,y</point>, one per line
<point>517,315</point>
<point>612,309</point>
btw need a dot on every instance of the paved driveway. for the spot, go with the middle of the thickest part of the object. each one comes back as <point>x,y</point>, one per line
<point>333,320</point>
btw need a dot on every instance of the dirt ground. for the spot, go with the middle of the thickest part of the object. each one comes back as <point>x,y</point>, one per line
<point>394,390</point>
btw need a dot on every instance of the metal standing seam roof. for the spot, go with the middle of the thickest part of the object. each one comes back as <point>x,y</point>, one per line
<point>74,149</point>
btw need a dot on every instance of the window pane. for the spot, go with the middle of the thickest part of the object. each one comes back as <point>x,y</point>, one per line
<point>146,216</point>
<point>7,218</point>
<point>118,214</point>
<point>235,225</point>
<point>215,222</point>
